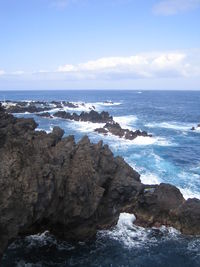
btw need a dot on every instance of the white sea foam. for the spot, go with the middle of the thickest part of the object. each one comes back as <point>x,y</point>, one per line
<point>107,103</point>
<point>144,141</point>
<point>171,125</point>
<point>42,129</point>
<point>80,106</point>
<point>188,193</point>
<point>88,106</point>
<point>197,130</point>
<point>133,236</point>
<point>126,122</point>
<point>123,144</point>
<point>85,127</point>
<point>8,104</point>
<point>127,233</point>
<point>149,178</point>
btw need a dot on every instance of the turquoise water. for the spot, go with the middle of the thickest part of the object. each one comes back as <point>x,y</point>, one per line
<point>172,155</point>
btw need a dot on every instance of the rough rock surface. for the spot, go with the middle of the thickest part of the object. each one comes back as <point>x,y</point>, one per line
<point>50,183</point>
<point>164,205</point>
<point>91,116</point>
<point>115,129</point>
<point>73,189</point>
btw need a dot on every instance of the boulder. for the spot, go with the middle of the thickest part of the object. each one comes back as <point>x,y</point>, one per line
<point>164,205</point>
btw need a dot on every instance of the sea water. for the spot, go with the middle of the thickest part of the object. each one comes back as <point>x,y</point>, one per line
<point>172,155</point>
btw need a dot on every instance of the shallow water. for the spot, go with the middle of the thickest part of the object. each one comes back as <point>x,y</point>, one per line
<point>172,155</point>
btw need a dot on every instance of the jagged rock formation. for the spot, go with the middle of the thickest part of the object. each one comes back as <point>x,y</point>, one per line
<point>50,183</point>
<point>92,116</point>
<point>73,189</point>
<point>41,109</point>
<point>110,126</point>
<point>115,129</point>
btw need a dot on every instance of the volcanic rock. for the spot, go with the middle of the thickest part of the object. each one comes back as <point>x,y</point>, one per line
<point>73,189</point>
<point>51,183</point>
<point>115,129</point>
<point>164,205</point>
<point>92,116</point>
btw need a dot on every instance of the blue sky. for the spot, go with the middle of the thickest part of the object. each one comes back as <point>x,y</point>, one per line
<point>100,44</point>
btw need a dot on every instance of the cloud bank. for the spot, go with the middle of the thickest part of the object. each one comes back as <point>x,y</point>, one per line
<point>146,66</point>
<point>172,64</point>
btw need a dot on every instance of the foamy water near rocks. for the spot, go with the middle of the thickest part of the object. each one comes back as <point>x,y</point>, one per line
<point>74,189</point>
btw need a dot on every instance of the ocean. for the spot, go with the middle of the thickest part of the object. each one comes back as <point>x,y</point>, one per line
<point>172,155</point>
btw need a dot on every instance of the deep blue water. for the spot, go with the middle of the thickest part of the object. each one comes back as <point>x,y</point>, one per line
<point>172,155</point>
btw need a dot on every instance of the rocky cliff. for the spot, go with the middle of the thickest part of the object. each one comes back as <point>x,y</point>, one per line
<point>47,182</point>
<point>73,189</point>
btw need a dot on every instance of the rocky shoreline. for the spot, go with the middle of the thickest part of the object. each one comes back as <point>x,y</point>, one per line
<point>41,109</point>
<point>74,189</point>
<point>38,106</point>
<point>110,127</point>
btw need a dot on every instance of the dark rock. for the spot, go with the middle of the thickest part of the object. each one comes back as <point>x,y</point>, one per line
<point>1,108</point>
<point>154,205</point>
<point>108,102</point>
<point>23,109</point>
<point>92,116</point>
<point>186,217</point>
<point>45,115</point>
<point>193,128</point>
<point>69,105</point>
<point>57,104</point>
<point>164,205</point>
<point>30,106</point>
<point>50,183</point>
<point>115,129</point>
<point>73,189</point>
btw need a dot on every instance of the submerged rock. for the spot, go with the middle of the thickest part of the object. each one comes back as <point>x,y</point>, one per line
<point>115,129</point>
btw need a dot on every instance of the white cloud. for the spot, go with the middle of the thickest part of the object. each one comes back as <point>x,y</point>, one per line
<point>174,64</point>
<point>172,7</point>
<point>18,72</point>
<point>144,66</point>
<point>2,72</point>
<point>66,68</point>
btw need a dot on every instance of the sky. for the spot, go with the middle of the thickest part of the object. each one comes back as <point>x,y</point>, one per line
<point>100,44</point>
